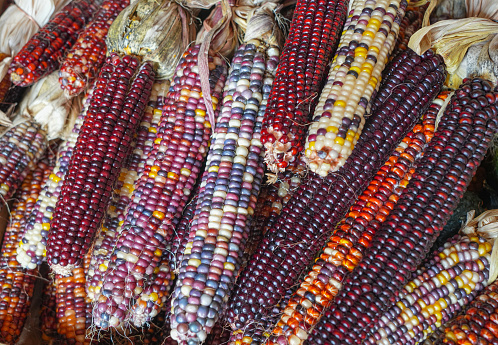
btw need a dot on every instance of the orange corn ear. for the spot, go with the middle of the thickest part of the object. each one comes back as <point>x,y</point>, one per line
<point>17,284</point>
<point>44,51</point>
<point>85,58</point>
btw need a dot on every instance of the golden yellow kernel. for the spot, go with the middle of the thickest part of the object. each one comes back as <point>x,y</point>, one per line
<point>333,129</point>
<point>159,215</point>
<point>339,141</point>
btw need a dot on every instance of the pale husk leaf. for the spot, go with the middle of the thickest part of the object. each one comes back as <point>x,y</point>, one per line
<point>262,24</point>
<point>444,9</point>
<point>453,39</point>
<point>157,31</point>
<point>20,22</point>
<point>482,8</point>
<point>47,104</point>
<point>485,225</point>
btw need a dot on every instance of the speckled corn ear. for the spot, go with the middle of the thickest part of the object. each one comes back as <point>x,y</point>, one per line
<point>448,282</point>
<point>339,117</point>
<point>45,50</point>
<point>438,183</point>
<point>18,284</point>
<point>164,188</point>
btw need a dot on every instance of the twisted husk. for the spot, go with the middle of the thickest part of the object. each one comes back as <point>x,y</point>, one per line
<point>158,31</point>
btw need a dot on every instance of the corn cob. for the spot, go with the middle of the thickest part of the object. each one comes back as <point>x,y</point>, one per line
<point>20,149</point>
<point>477,326</point>
<point>141,146</point>
<point>43,52</point>
<point>228,194</point>
<point>74,310</point>
<point>116,108</point>
<point>18,283</point>
<point>439,181</point>
<point>163,189</point>
<point>352,236</point>
<point>85,58</point>
<point>410,23</point>
<point>319,203</point>
<point>31,249</point>
<point>354,75</point>
<point>449,281</point>
<point>48,313</point>
<point>219,335</point>
<point>311,43</point>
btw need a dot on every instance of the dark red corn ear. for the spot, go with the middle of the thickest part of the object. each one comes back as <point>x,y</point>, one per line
<point>44,51</point>
<point>438,183</point>
<point>118,103</point>
<point>313,36</point>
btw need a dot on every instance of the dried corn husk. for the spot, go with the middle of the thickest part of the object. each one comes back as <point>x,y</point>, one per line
<point>262,23</point>
<point>47,104</point>
<point>158,31</point>
<point>469,47</point>
<point>22,20</point>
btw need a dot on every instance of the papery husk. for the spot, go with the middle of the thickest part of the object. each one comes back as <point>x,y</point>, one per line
<point>156,30</point>
<point>486,225</point>
<point>47,104</point>
<point>443,10</point>
<point>262,24</point>
<point>469,47</point>
<point>20,22</point>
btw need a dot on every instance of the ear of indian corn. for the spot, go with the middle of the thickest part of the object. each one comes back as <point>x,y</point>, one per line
<point>439,181</point>
<point>163,189</point>
<point>74,309</point>
<point>48,313</point>
<point>345,247</point>
<point>446,283</point>
<point>227,196</point>
<point>182,234</point>
<point>84,59</point>
<point>320,203</point>
<point>310,45</point>
<point>31,249</point>
<point>17,284</point>
<point>117,105</point>
<point>134,166</point>
<point>478,325</point>
<point>353,78</point>
<point>21,147</point>
<point>44,51</point>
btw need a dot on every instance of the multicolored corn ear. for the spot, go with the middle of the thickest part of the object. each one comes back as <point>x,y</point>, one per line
<point>339,117</point>
<point>227,196</point>
<point>311,42</point>
<point>31,249</point>
<point>398,247</point>
<point>84,59</point>
<point>74,310</point>
<point>348,242</point>
<point>135,162</point>
<point>17,284</point>
<point>449,281</point>
<point>116,108</point>
<point>48,313</point>
<point>410,23</point>
<point>164,188</point>
<point>182,234</point>
<point>478,325</point>
<point>320,203</point>
<point>45,50</point>
<point>21,147</point>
